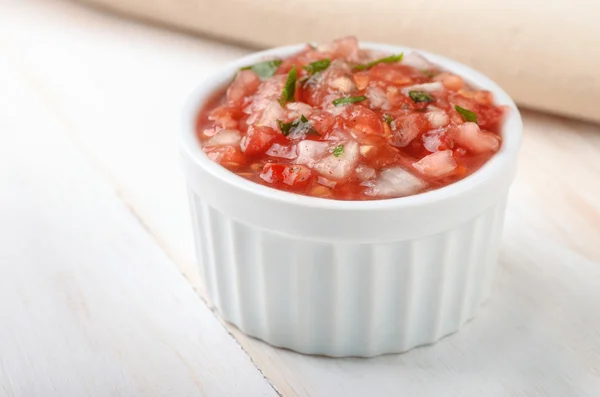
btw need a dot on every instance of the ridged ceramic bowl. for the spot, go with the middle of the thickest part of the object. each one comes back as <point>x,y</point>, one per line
<point>347,278</point>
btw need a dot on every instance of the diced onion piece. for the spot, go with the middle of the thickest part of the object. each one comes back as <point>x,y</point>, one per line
<point>265,110</point>
<point>223,118</point>
<point>364,172</point>
<point>437,164</point>
<point>342,84</point>
<point>341,166</point>
<point>335,110</point>
<point>377,97</point>
<point>300,107</point>
<point>224,137</point>
<point>338,135</point>
<point>326,182</point>
<point>244,143</point>
<point>432,139</point>
<point>297,109</point>
<point>272,112</point>
<point>394,182</point>
<point>282,151</point>
<point>437,118</point>
<point>271,88</point>
<point>416,60</point>
<point>427,87</point>
<point>309,152</point>
<point>471,137</point>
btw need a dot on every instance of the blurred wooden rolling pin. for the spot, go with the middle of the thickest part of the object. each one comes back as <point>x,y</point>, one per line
<point>545,53</point>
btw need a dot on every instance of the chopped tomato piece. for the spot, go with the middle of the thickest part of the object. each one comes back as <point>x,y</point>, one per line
<point>259,139</point>
<point>406,129</point>
<point>290,174</point>
<point>228,156</point>
<point>323,122</point>
<point>391,73</point>
<point>362,119</point>
<point>361,79</point>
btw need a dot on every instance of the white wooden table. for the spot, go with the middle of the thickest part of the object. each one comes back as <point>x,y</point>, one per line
<point>99,291</point>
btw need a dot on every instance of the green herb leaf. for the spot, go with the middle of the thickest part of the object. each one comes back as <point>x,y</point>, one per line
<point>466,114</point>
<point>390,59</point>
<point>429,73</point>
<point>300,125</point>
<point>317,66</point>
<point>287,95</point>
<point>265,69</point>
<point>348,99</point>
<point>338,150</point>
<point>388,119</point>
<point>420,96</point>
<point>285,127</point>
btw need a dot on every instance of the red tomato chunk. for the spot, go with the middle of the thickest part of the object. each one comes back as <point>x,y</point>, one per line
<point>339,122</point>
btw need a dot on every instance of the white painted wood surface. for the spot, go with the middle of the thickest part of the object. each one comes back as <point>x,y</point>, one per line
<point>89,303</point>
<point>92,304</point>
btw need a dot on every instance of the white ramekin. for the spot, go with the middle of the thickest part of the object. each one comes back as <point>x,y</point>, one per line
<point>344,278</point>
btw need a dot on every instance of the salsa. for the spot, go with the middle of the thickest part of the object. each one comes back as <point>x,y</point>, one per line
<point>336,121</point>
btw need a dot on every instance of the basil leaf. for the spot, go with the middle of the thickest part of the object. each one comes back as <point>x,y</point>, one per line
<point>429,73</point>
<point>300,125</point>
<point>338,150</point>
<point>265,69</point>
<point>287,95</point>
<point>390,59</point>
<point>388,119</point>
<point>317,66</point>
<point>420,96</point>
<point>466,114</point>
<point>348,99</point>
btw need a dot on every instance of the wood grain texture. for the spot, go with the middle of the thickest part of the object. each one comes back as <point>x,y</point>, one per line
<point>538,336</point>
<point>90,304</point>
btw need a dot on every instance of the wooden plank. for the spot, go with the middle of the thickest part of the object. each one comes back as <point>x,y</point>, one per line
<point>539,334</point>
<point>90,304</point>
